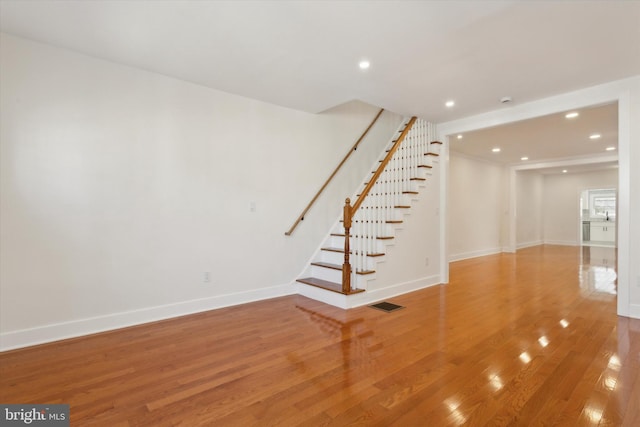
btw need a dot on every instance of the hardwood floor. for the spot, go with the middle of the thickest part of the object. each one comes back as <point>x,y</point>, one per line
<point>526,339</point>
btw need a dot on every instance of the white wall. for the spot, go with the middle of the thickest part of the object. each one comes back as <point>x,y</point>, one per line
<point>529,200</point>
<point>561,202</point>
<point>476,207</point>
<point>121,187</point>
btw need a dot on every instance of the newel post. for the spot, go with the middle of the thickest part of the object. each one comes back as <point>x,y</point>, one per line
<point>346,267</point>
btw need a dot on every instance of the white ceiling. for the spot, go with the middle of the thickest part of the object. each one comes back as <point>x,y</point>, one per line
<point>304,54</point>
<point>548,139</point>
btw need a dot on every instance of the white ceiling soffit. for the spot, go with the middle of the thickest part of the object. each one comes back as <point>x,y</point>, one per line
<point>305,54</point>
<point>543,139</point>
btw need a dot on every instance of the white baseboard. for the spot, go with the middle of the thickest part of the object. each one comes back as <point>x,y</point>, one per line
<point>76,328</point>
<point>634,311</point>
<point>562,242</point>
<point>376,295</point>
<point>529,244</point>
<point>474,254</point>
<point>368,297</point>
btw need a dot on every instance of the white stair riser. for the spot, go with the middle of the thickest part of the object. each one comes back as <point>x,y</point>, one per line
<point>375,246</point>
<point>386,230</point>
<point>338,259</point>
<point>334,242</point>
<point>332,257</point>
<point>326,274</point>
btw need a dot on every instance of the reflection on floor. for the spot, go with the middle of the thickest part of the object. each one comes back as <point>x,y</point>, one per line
<point>597,272</point>
<point>521,339</point>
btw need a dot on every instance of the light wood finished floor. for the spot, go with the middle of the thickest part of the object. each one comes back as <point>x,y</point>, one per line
<point>527,339</point>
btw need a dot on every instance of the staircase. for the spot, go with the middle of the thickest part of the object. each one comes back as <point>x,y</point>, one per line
<point>348,259</point>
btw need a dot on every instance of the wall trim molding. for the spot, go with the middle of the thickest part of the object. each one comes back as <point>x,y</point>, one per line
<point>475,254</point>
<point>368,297</point>
<point>634,311</point>
<point>529,244</point>
<point>376,295</point>
<point>77,328</point>
<point>562,242</point>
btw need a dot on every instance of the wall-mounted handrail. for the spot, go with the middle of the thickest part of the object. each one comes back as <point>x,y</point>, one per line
<point>349,211</point>
<point>354,148</point>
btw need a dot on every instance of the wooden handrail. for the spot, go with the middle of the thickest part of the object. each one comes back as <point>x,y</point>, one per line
<point>383,165</point>
<point>349,211</point>
<point>354,148</point>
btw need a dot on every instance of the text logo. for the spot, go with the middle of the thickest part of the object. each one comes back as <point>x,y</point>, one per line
<point>34,415</point>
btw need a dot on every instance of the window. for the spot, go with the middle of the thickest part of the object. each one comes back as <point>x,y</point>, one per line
<point>604,206</point>
<point>602,203</point>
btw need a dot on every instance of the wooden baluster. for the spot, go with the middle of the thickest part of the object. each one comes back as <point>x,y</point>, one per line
<point>346,267</point>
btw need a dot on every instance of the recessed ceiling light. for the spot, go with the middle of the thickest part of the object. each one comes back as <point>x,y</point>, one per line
<point>564,171</point>
<point>572,115</point>
<point>524,158</point>
<point>610,148</point>
<point>364,64</point>
<point>459,136</point>
<point>449,104</point>
<point>595,136</point>
<point>495,150</point>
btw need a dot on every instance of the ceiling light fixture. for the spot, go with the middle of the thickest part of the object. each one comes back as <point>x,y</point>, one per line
<point>595,136</point>
<point>564,171</point>
<point>364,64</point>
<point>524,158</point>
<point>495,150</point>
<point>610,148</point>
<point>449,104</point>
<point>459,136</point>
<point>572,115</point>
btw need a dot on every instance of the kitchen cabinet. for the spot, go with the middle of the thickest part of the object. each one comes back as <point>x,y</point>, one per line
<point>603,231</point>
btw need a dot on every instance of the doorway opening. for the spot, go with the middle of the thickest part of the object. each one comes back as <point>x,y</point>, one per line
<point>598,213</point>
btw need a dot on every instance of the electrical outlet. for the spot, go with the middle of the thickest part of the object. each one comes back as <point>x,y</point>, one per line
<point>252,206</point>
<point>426,261</point>
<point>206,277</point>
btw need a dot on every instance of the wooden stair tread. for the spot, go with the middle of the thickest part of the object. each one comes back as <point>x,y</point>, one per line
<point>341,250</point>
<point>401,169</point>
<point>389,194</point>
<point>402,207</point>
<point>325,284</point>
<point>339,267</point>
<point>330,249</point>
<point>436,142</point>
<point>327,265</point>
<point>378,238</point>
<point>389,221</point>
<point>431,154</point>
<point>383,181</point>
